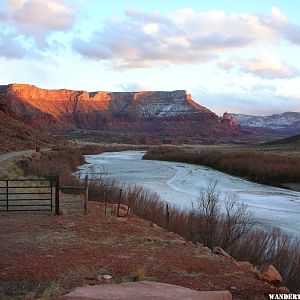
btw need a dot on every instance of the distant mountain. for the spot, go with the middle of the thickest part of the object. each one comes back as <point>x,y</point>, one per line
<point>161,113</point>
<point>288,122</point>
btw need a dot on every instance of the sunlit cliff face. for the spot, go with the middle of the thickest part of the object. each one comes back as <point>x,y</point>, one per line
<point>146,111</point>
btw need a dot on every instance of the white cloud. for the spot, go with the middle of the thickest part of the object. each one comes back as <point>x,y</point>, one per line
<point>134,87</point>
<point>266,66</point>
<point>38,18</point>
<point>183,37</point>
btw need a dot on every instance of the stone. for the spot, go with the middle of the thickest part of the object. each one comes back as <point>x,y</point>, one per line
<point>220,251</point>
<point>270,274</point>
<point>123,210</point>
<point>106,279</point>
<point>89,276</point>
<point>155,226</point>
<point>206,251</point>
<point>144,290</point>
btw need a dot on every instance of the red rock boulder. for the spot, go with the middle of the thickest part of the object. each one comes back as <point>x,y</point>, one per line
<point>270,274</point>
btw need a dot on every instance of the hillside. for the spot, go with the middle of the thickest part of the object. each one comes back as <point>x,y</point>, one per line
<point>15,135</point>
<point>61,253</point>
<point>287,123</point>
<point>290,141</point>
<point>148,113</point>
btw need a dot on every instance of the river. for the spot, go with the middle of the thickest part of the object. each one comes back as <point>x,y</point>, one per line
<point>179,184</point>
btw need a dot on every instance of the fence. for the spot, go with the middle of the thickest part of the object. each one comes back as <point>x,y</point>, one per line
<point>29,195</point>
<point>85,190</point>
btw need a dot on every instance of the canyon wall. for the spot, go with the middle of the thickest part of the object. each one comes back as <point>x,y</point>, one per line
<point>67,108</point>
<point>154,114</point>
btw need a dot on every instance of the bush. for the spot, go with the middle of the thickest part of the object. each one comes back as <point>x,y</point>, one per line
<point>232,228</point>
<point>60,161</point>
<point>266,168</point>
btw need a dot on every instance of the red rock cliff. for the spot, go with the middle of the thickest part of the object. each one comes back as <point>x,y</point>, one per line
<point>67,108</point>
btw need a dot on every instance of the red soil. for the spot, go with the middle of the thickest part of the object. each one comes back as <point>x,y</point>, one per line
<point>44,247</point>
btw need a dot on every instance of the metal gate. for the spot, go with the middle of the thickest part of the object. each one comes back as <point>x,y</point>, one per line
<point>29,195</point>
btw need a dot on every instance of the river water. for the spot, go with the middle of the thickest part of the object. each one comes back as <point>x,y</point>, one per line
<point>179,184</point>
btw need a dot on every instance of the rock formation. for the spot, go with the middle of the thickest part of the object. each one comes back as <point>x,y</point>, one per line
<point>146,111</point>
<point>229,120</point>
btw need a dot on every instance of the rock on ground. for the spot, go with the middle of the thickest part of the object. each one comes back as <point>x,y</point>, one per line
<point>270,274</point>
<point>144,290</point>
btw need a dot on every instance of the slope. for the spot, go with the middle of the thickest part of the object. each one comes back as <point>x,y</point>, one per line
<point>14,135</point>
<point>290,141</point>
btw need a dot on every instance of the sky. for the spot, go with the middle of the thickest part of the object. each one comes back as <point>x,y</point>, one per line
<point>231,55</point>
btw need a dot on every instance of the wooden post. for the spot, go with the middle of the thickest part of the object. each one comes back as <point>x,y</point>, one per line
<point>56,195</point>
<point>86,198</point>
<point>105,201</point>
<point>129,202</point>
<point>6,195</point>
<point>51,196</point>
<point>167,216</point>
<point>119,202</point>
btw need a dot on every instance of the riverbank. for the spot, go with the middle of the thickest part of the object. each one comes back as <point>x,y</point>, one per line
<point>264,167</point>
<point>148,206</point>
<point>64,252</point>
<point>122,169</point>
<point>179,184</point>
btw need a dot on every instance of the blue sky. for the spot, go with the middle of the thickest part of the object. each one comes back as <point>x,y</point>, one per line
<point>240,56</point>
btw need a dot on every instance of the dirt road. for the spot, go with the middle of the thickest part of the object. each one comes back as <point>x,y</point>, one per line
<point>7,156</point>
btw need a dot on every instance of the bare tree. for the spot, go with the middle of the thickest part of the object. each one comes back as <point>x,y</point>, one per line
<point>236,221</point>
<point>217,226</point>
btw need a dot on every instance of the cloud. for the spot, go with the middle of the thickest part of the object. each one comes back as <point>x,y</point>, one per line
<point>182,37</point>
<point>38,18</point>
<point>134,87</point>
<point>251,102</point>
<point>266,66</point>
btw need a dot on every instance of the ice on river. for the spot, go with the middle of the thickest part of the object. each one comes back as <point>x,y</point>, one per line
<point>180,183</point>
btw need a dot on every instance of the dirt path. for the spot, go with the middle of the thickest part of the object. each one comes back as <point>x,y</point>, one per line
<point>11,155</point>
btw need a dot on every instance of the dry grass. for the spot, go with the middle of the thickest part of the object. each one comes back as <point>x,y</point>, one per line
<point>266,168</point>
<point>233,230</point>
<point>59,161</point>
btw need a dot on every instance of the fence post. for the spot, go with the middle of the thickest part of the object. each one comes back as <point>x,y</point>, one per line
<point>6,195</point>
<point>86,198</point>
<point>119,202</point>
<point>51,196</point>
<point>167,216</point>
<point>56,195</point>
<point>105,201</point>
<point>129,202</point>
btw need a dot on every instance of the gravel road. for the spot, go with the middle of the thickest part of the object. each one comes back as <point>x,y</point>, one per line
<point>7,156</point>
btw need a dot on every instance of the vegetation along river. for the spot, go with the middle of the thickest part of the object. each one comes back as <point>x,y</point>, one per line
<point>180,184</point>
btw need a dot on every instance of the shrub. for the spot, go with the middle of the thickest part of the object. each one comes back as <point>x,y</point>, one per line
<point>267,168</point>
<point>232,228</point>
